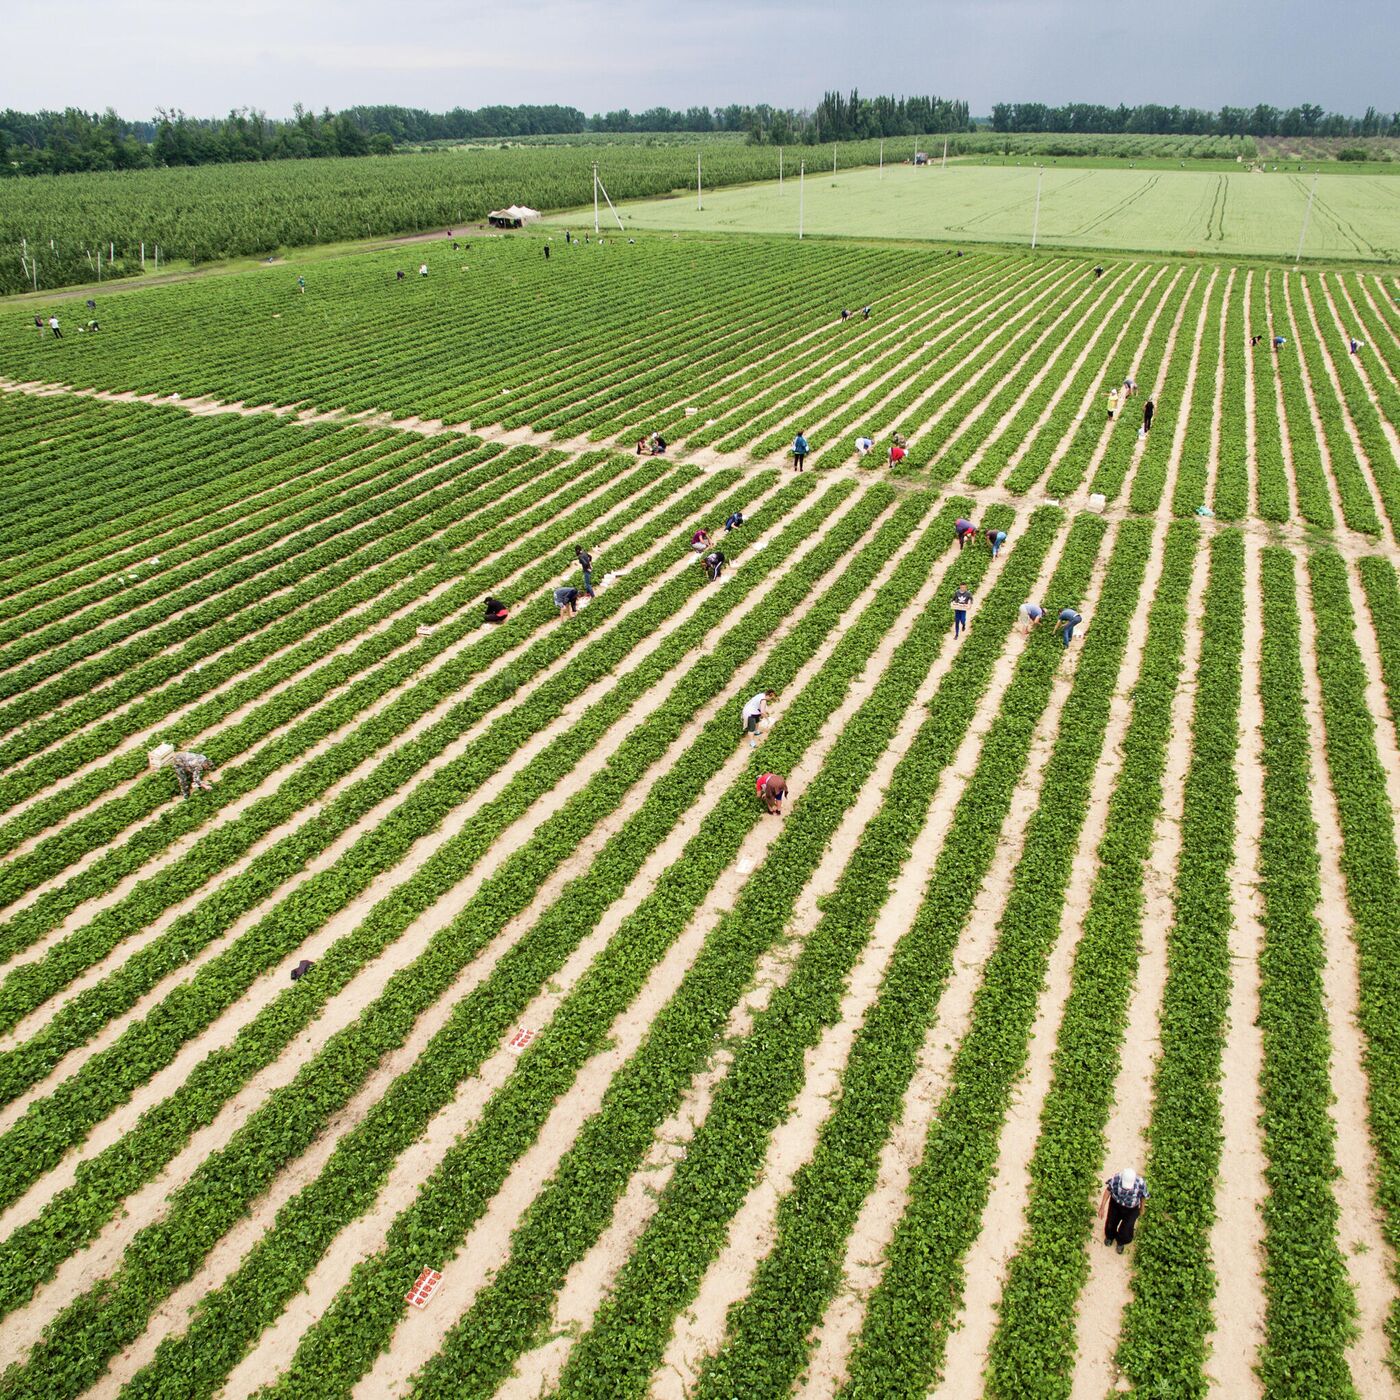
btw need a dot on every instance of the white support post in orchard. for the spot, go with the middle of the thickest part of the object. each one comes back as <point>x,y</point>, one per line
<point>595,196</point>
<point>833,157</point>
<point>801,194</point>
<point>699,192</point>
<point>780,170</point>
<point>945,153</point>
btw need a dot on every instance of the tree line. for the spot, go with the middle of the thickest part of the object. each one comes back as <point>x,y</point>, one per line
<point>1152,119</point>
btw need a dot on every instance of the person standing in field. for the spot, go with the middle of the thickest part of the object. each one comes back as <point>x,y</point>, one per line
<point>754,712</point>
<point>301,285</point>
<point>1148,409</point>
<point>995,540</point>
<point>585,562</point>
<point>1033,614</point>
<point>566,600</point>
<point>772,788</point>
<point>422,269</point>
<point>1112,403</point>
<point>39,326</point>
<point>1125,1197</point>
<point>1069,620</point>
<point>962,601</point>
<point>546,252</point>
<point>190,772</point>
<point>964,530</point>
<point>53,326</point>
<point>799,451</point>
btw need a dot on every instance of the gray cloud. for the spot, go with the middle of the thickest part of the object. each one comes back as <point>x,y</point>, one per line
<point>640,53</point>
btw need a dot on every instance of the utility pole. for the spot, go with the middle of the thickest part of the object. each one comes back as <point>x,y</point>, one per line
<point>1035,225</point>
<point>882,157</point>
<point>699,193</point>
<point>801,194</point>
<point>945,153</point>
<point>833,157</point>
<point>595,196</point>
<point>1307,214</point>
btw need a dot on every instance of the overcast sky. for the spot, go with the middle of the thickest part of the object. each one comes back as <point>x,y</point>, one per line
<point>605,54</point>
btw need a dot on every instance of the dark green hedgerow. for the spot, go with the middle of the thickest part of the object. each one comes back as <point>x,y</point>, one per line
<point>1032,1350</point>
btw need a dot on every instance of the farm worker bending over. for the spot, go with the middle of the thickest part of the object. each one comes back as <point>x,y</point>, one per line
<point>1125,1195</point>
<point>864,444</point>
<point>585,562</point>
<point>1033,614</point>
<point>700,540</point>
<point>799,451</point>
<point>736,519</point>
<point>771,791</point>
<point>756,709</point>
<point>190,770</point>
<point>1069,620</point>
<point>963,529</point>
<point>1355,345</point>
<point>897,454</point>
<point>496,611</point>
<point>962,601</point>
<point>1112,403</point>
<point>566,600</point>
<point>301,284</point>
<point>995,540</point>
<point>714,564</point>
<point>1129,387</point>
<point>1280,341</point>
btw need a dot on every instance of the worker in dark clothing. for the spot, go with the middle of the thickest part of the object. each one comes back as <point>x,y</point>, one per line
<point>546,252</point>
<point>301,969</point>
<point>1125,1196</point>
<point>772,788</point>
<point>962,601</point>
<point>496,611</point>
<point>964,530</point>
<point>191,770</point>
<point>585,562</point>
<point>714,563</point>
<point>566,600</point>
<point>1069,620</point>
<point>1148,409</point>
<point>736,518</point>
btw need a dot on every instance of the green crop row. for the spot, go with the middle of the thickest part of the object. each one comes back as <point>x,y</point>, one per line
<point>1231,498</point>
<point>1309,473</point>
<point>76,1348</point>
<point>1032,1350</point>
<point>1370,870</point>
<point>1166,1325</point>
<point>1272,499</point>
<point>1197,446</point>
<point>101,1183</point>
<point>1309,1304</point>
<point>1383,600</point>
<point>1060,385</point>
<point>770,1330</point>
<point>344,1342</point>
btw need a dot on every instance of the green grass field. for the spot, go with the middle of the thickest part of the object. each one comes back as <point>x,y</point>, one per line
<point>1236,213</point>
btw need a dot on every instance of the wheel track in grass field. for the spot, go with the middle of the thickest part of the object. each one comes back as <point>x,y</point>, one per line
<point>239,1014</point>
<point>701,1332</point>
<point>489,1238</point>
<point>844,500</point>
<point>131,946</point>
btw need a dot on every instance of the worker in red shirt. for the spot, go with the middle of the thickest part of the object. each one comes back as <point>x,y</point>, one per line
<point>771,790</point>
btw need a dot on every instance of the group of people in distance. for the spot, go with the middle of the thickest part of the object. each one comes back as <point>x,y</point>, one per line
<point>1032,613</point>
<point>653,445</point>
<point>1118,398</point>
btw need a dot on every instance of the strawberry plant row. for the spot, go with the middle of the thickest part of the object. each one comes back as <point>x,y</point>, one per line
<point>1060,386</point>
<point>1309,474</point>
<point>102,1182</point>
<point>577,1030</point>
<point>1032,1349</point>
<point>73,1354</point>
<point>1383,602</point>
<point>1181,306</point>
<point>1166,1325</point>
<point>1272,499</point>
<point>629,1330</point>
<point>948,1189</point>
<point>28,986</point>
<point>1309,1304</point>
<point>1233,440</point>
<point>1068,473</point>
<point>1198,445</point>
<point>1369,868</point>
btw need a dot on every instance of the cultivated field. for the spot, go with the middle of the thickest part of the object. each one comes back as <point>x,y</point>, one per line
<point>1220,212</point>
<point>678,1097</point>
